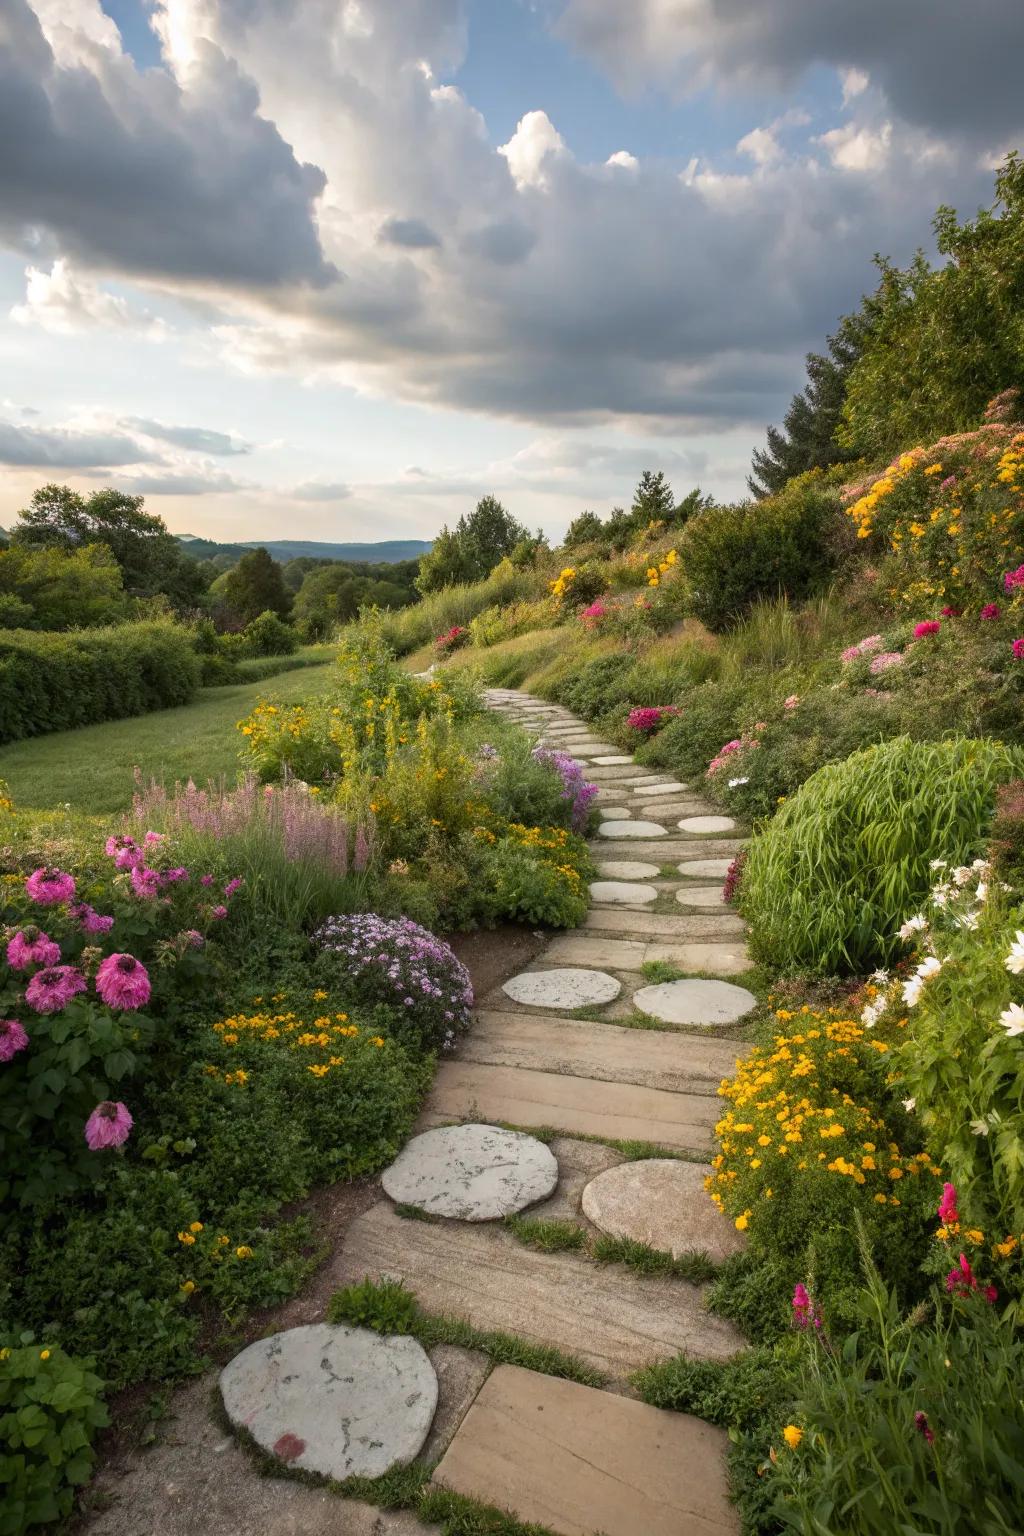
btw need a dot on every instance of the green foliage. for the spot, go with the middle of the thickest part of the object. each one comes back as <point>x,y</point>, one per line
<point>331,593</point>
<point>732,555</point>
<point>440,610</point>
<point>488,535</point>
<point>831,878</point>
<point>48,587</point>
<point>547,1236</point>
<point>268,635</point>
<point>252,587</point>
<point>695,1268</point>
<point>51,682</point>
<point>587,528</point>
<point>807,438</point>
<point>50,1410</point>
<point>383,1305</point>
<point>457,1515</point>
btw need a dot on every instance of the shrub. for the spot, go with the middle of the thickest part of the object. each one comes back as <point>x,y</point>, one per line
<point>50,1409</point>
<point>52,682</point>
<point>577,586</point>
<point>452,640</point>
<point>829,880</point>
<point>732,555</point>
<point>647,720</point>
<point>536,875</point>
<point>395,961</point>
<point>268,635</point>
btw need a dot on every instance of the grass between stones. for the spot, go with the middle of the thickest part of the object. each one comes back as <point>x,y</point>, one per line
<point>632,1151</point>
<point>547,1236</point>
<point>387,1306</point>
<point>460,1516</point>
<point>554,1236</point>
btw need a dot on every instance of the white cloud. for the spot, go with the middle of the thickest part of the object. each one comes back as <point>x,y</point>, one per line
<point>67,302</point>
<point>855,82</point>
<point>527,151</point>
<point>623,158</point>
<point>856,147</point>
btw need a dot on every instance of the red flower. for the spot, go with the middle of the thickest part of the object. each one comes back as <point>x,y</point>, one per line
<point>927,627</point>
<point>990,611</point>
<point>960,1281</point>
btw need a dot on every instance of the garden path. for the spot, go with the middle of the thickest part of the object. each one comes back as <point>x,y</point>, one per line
<point>617,1071</point>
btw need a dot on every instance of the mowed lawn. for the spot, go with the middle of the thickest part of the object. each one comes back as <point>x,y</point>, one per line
<point>92,769</point>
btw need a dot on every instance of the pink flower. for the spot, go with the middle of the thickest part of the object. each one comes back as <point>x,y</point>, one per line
<point>206,880</point>
<point>30,946</point>
<point>108,1125</point>
<point>990,611</point>
<point>89,920</point>
<point>145,882</point>
<point>921,1425</point>
<point>193,938</point>
<point>960,1281</point>
<point>944,485</point>
<point>52,989</point>
<point>151,838</point>
<point>948,1212</point>
<point>791,702</point>
<point>218,912</point>
<point>650,718</point>
<point>233,886</point>
<point>804,1311</point>
<point>883,661</point>
<point>927,627</point>
<point>1014,579</point>
<point>123,982</point>
<point>124,851</point>
<point>1018,648</point>
<point>50,886</point>
<point>990,1294</point>
<point>12,1038</point>
<point>172,876</point>
<point>952,613</point>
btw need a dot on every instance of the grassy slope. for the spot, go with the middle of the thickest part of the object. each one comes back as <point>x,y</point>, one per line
<point>91,768</point>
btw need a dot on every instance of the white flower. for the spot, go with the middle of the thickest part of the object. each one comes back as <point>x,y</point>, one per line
<point>912,990</point>
<point>913,925</point>
<point>967,920</point>
<point>1012,1019</point>
<point>880,977</point>
<point>910,1105</point>
<point>979,1127</point>
<point>937,864</point>
<point>980,864</point>
<point>982,892</point>
<point>962,875</point>
<point>940,895</point>
<point>1014,961</point>
<point>735,783</point>
<point>929,968</point>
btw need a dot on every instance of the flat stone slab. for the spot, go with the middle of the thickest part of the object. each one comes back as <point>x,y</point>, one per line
<point>631,829</point>
<point>678,846</point>
<point>578,1461</point>
<point>344,1402</point>
<point>706,825</point>
<point>705,869</point>
<point>568,987</point>
<point>631,954</point>
<point>615,760</point>
<point>614,1319</point>
<point>627,869</point>
<point>623,891</point>
<point>701,896</point>
<point>671,788</point>
<point>666,925</point>
<point>471,1172</point>
<point>580,1106</point>
<point>661,1202</point>
<point>614,812</point>
<point>695,1001</point>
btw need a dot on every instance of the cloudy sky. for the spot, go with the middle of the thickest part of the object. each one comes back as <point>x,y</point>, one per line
<point>335,268</point>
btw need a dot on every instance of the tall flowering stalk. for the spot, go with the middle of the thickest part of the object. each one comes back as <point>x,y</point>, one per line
<point>574,784</point>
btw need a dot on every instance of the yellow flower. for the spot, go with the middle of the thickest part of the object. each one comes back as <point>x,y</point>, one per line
<point>195,1226</point>
<point>319,995</point>
<point>186,1238</point>
<point>243,1252</point>
<point>44,1354</point>
<point>187,1286</point>
<point>792,1434</point>
<point>742,1222</point>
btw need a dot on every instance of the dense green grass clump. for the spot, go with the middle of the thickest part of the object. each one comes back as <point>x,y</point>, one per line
<point>847,860</point>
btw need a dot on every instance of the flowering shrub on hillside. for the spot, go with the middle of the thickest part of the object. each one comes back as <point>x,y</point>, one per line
<point>650,718</point>
<point>575,788</point>
<point>578,585</point>
<point>452,640</point>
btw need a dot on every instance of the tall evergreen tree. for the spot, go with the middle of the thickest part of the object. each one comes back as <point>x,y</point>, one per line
<point>653,500</point>
<point>806,439</point>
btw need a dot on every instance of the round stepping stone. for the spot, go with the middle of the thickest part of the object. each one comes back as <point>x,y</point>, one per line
<point>706,824</point>
<point>700,896</point>
<point>661,1202</point>
<point>631,829</point>
<point>615,812</point>
<point>615,761</point>
<point>627,869</point>
<point>660,789</point>
<point>344,1402</point>
<point>695,1001</point>
<point>705,869</point>
<point>567,987</point>
<point>622,891</point>
<point>471,1172</point>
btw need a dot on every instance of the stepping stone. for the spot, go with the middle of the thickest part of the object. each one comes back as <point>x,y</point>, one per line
<point>579,1106</point>
<point>622,893</point>
<point>700,896</point>
<point>662,789</point>
<point>663,925</point>
<point>695,1001</point>
<point>677,846</point>
<point>344,1402</point>
<point>615,812</point>
<point>576,1460</point>
<point>471,1172</point>
<point>616,760</point>
<point>631,829</point>
<point>628,869</point>
<point>661,1202</point>
<point>706,824</point>
<point>616,1320</point>
<point>568,988</point>
<point>705,869</point>
<point>631,954</point>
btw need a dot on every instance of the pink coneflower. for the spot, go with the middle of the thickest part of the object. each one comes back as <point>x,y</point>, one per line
<point>124,851</point>
<point>108,1125</point>
<point>30,946</point>
<point>49,887</point>
<point>927,627</point>
<point>88,919</point>
<point>233,886</point>
<point>12,1038</point>
<point>1018,648</point>
<point>990,611</point>
<point>123,982</point>
<point>948,1212</point>
<point>52,989</point>
<point>145,882</point>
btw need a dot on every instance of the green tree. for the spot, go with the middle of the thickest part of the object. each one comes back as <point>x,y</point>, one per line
<point>653,500</point>
<point>254,586</point>
<point>585,529</point>
<point>475,547</point>
<point>807,437</point>
<point>62,589</point>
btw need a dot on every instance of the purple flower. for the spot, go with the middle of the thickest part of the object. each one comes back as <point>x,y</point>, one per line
<point>109,1125</point>
<point>233,886</point>
<point>574,785</point>
<point>123,982</point>
<point>88,919</point>
<point>30,946</point>
<point>145,882</point>
<point>219,911</point>
<point>50,887</point>
<point>193,938</point>
<point>13,1038</point>
<point>124,851</point>
<point>52,989</point>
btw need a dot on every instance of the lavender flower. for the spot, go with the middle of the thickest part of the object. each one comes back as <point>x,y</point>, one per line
<point>574,785</point>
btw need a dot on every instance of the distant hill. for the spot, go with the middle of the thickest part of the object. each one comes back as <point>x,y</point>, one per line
<point>387,552</point>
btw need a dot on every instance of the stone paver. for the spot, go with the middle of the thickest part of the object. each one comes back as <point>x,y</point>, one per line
<point>631,829</point>
<point>701,825</point>
<point>614,812</point>
<point>622,892</point>
<point>579,1461</point>
<point>661,1202</point>
<point>615,760</point>
<point>705,869</point>
<point>465,1090</point>
<point>671,788</point>
<point>631,954</point>
<point>695,1001</point>
<point>627,869</point>
<point>567,988</point>
<point>701,896</point>
<point>616,1320</point>
<point>326,1398</point>
<point>471,1172</point>
<point>726,924</point>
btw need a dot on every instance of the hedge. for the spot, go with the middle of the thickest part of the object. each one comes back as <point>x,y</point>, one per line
<point>52,682</point>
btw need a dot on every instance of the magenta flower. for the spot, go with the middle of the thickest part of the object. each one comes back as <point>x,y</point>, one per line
<point>124,851</point>
<point>927,627</point>
<point>948,1212</point>
<point>123,982</point>
<point>233,886</point>
<point>108,1125</point>
<point>88,919</point>
<point>49,887</point>
<point>990,1294</point>
<point>990,611</point>
<point>172,876</point>
<point>952,613</point>
<point>206,880</point>
<point>1014,579</point>
<point>145,882</point>
<point>650,718</point>
<point>151,838</point>
<point>960,1281</point>
<point>921,1425</point>
<point>218,911</point>
<point>52,989</point>
<point>30,946</point>
<point>12,1038</point>
<point>803,1307</point>
<point>1018,648</point>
